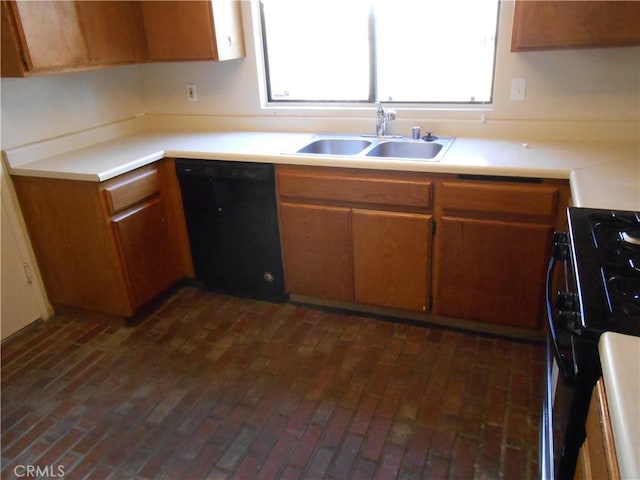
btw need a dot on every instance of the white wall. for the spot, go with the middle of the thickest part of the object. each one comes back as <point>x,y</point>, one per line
<point>38,108</point>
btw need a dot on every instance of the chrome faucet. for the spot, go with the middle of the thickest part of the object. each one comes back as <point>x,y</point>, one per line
<point>382,117</point>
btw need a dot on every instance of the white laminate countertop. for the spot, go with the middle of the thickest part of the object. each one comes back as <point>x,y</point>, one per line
<point>605,175</point>
<point>620,358</point>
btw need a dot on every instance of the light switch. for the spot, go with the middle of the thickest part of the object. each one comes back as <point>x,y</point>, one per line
<point>518,88</point>
<point>192,92</point>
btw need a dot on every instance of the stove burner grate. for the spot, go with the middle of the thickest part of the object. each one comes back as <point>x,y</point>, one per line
<point>623,292</point>
<point>615,232</point>
<point>631,236</point>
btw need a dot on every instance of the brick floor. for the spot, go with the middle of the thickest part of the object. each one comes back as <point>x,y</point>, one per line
<point>211,386</point>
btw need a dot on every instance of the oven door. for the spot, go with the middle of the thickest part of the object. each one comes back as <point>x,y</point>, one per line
<point>558,395</point>
<point>560,364</point>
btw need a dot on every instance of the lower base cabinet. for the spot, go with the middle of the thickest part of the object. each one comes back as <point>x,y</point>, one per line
<point>356,236</point>
<point>597,459</point>
<point>493,243</point>
<point>467,248</point>
<point>107,246</point>
<point>464,247</point>
<point>492,271</point>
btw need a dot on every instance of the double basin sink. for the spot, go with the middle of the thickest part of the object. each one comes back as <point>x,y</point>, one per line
<point>392,147</point>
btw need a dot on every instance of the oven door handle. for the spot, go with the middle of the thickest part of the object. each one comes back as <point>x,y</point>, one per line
<point>563,362</point>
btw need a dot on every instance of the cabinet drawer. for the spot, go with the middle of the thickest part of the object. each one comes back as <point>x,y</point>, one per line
<point>507,199</point>
<point>400,191</point>
<point>129,189</point>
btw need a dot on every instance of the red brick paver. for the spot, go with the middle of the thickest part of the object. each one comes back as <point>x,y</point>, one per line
<point>211,386</point>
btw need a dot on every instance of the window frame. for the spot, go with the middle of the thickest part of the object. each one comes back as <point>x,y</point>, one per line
<point>283,103</point>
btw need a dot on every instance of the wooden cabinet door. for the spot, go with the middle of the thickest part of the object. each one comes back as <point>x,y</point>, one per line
<point>491,271</point>
<point>11,62</point>
<point>317,250</point>
<point>227,21</point>
<point>391,256</point>
<point>50,34</point>
<point>541,25</point>
<point>143,240</point>
<point>113,31</point>
<point>179,30</point>
<point>193,30</point>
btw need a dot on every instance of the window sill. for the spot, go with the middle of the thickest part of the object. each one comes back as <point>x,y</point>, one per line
<point>366,110</point>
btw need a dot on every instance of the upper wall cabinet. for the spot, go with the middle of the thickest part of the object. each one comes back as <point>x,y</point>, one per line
<point>48,36</point>
<point>41,37</point>
<point>193,30</point>
<point>551,25</point>
<point>113,31</point>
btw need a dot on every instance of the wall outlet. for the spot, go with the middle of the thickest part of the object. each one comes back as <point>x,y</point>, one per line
<point>192,92</point>
<point>518,88</point>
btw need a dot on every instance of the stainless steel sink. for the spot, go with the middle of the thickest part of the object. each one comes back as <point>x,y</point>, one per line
<point>406,149</point>
<point>385,147</point>
<point>336,146</point>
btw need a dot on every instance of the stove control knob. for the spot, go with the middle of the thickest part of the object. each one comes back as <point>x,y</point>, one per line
<point>567,301</point>
<point>560,243</point>
<point>569,320</point>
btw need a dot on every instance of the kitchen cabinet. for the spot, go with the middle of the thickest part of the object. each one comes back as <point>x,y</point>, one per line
<point>113,31</point>
<point>356,236</point>
<point>55,36</point>
<point>110,246</point>
<point>44,37</point>
<point>493,242</point>
<point>41,36</point>
<point>597,459</point>
<point>193,30</point>
<point>141,234</point>
<point>367,237</point>
<point>547,25</point>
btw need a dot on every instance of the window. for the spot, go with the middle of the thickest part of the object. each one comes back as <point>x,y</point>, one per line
<point>407,51</point>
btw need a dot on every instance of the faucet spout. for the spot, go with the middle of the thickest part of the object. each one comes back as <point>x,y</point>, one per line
<point>381,120</point>
<point>382,117</point>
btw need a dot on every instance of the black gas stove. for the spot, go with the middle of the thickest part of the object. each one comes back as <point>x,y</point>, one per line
<point>598,291</point>
<point>605,253</point>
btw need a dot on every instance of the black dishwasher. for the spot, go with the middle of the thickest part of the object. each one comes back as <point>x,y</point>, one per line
<point>232,220</point>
